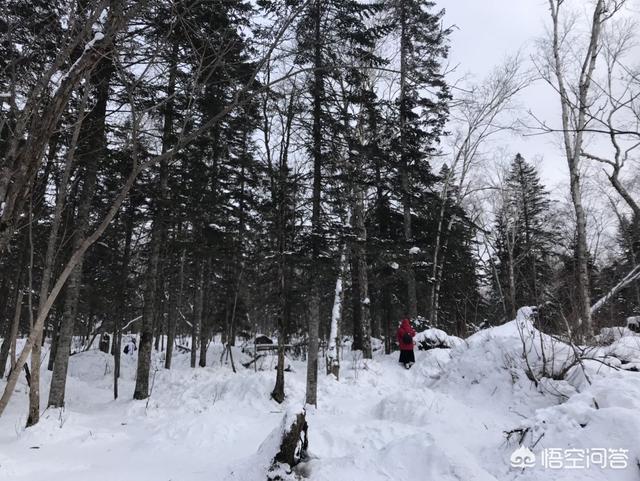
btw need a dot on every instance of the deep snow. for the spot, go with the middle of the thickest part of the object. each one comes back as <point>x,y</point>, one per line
<point>445,419</point>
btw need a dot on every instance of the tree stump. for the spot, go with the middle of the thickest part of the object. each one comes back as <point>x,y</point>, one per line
<point>293,448</point>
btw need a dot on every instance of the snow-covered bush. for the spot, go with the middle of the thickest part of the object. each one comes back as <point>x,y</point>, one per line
<point>627,350</point>
<point>435,338</point>
<point>420,324</point>
<point>609,335</point>
<point>633,323</point>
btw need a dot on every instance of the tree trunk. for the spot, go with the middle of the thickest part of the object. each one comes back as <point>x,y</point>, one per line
<point>574,122</point>
<point>278,390</point>
<point>174,314</point>
<point>54,342</point>
<point>405,178</point>
<point>9,343</point>
<point>199,320</point>
<point>197,317</point>
<point>158,236</point>
<point>436,269</point>
<point>388,323</point>
<point>293,445</point>
<point>363,279</point>
<point>631,277</point>
<point>333,349</point>
<point>356,305</point>
<point>280,197</point>
<point>444,240</point>
<point>278,394</point>
<point>382,215</point>
<point>513,308</point>
<point>141,390</point>
<point>121,316</point>
<point>314,301</point>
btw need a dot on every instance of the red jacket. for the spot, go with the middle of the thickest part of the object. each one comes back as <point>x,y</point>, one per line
<point>405,327</point>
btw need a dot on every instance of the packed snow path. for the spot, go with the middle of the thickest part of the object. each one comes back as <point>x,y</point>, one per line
<point>443,420</point>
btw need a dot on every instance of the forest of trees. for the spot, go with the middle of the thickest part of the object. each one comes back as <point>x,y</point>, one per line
<point>197,170</point>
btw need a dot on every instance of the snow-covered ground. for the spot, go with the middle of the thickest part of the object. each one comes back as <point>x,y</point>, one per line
<point>445,419</point>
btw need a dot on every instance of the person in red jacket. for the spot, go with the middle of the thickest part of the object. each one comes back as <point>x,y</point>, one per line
<point>405,335</point>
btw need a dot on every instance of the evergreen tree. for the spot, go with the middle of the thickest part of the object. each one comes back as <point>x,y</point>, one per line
<point>422,111</point>
<point>525,238</point>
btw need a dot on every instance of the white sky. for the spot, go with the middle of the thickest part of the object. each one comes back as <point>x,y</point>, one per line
<point>486,32</point>
<point>489,30</point>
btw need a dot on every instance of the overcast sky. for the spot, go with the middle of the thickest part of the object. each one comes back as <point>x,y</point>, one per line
<point>487,31</point>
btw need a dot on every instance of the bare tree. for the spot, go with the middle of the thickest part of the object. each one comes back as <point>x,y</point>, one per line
<point>575,96</point>
<point>618,109</point>
<point>617,116</point>
<point>477,115</point>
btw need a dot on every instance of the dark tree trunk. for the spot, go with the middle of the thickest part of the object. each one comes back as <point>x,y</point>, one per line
<point>382,217</point>
<point>196,321</point>
<point>278,390</point>
<point>316,229</point>
<point>9,342</point>
<point>199,318</point>
<point>158,236</point>
<point>121,316</point>
<point>174,314</point>
<point>356,306</point>
<point>405,178</point>
<point>141,390</point>
<point>280,195</point>
<point>362,293</point>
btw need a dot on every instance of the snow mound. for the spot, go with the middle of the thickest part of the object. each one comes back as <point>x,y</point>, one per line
<point>436,338</point>
<point>611,334</point>
<point>604,415</point>
<point>627,350</point>
<point>515,348</point>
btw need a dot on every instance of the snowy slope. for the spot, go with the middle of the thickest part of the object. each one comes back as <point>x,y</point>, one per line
<point>445,419</point>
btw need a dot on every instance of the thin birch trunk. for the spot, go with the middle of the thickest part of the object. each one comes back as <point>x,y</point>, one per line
<point>34,393</point>
<point>574,122</point>
<point>333,350</point>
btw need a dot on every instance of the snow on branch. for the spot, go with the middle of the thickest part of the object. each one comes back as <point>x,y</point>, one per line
<point>632,276</point>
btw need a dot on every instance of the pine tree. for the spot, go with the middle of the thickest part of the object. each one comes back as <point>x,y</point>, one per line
<point>422,113</point>
<point>526,235</point>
